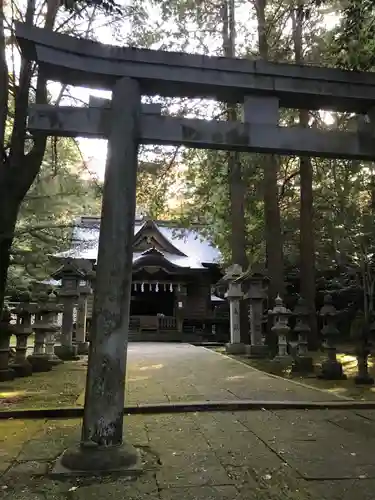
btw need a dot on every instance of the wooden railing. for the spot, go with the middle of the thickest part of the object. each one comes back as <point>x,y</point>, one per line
<point>167,323</point>
<point>139,323</point>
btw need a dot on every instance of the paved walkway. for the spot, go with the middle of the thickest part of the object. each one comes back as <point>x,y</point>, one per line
<point>273,455</point>
<point>160,373</point>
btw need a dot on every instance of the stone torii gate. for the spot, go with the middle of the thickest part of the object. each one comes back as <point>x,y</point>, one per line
<point>261,87</point>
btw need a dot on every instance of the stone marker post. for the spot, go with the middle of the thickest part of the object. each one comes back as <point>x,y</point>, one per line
<point>24,311</point>
<point>84,292</point>
<point>234,295</point>
<point>331,368</point>
<point>70,277</point>
<point>256,293</point>
<point>302,363</point>
<point>102,447</point>
<point>6,331</point>
<point>280,317</point>
<point>181,295</point>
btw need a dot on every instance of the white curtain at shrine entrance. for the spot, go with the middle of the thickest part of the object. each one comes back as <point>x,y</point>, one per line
<point>153,299</point>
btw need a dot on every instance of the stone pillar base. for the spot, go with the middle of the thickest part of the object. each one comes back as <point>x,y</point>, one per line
<point>363,380</point>
<point>257,351</point>
<point>67,352</point>
<point>96,460</point>
<point>40,363</point>
<point>7,374</point>
<point>54,360</point>
<point>237,348</point>
<point>303,364</point>
<point>332,370</point>
<point>82,348</point>
<point>22,369</point>
<point>282,361</point>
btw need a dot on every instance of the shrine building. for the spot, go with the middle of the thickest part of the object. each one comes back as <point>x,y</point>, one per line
<point>174,271</point>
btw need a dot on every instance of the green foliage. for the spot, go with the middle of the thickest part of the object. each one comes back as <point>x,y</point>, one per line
<point>353,41</point>
<point>59,194</point>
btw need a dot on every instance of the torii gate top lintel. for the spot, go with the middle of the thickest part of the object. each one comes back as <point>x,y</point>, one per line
<point>173,74</point>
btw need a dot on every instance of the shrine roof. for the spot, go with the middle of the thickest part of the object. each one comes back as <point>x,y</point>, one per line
<point>192,250</point>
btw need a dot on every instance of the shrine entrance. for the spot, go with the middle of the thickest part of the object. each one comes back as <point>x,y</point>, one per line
<point>151,299</point>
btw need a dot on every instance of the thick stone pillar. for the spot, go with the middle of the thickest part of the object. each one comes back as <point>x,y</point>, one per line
<point>84,292</point>
<point>102,447</point>
<point>234,295</point>
<point>181,305</point>
<point>256,293</point>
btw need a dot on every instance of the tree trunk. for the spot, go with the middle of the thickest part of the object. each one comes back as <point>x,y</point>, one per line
<point>273,235</point>
<point>235,179</point>
<point>17,169</point>
<point>272,219</point>
<point>307,246</point>
<point>8,218</point>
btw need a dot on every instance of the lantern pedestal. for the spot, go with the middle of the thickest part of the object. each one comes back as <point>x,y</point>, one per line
<point>282,360</point>
<point>235,348</point>
<point>6,331</point>
<point>302,365</point>
<point>67,352</point>
<point>259,351</point>
<point>363,380</point>
<point>6,372</point>
<point>21,365</point>
<point>82,348</point>
<point>332,370</point>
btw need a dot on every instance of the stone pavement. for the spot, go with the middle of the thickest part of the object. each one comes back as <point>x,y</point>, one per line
<point>162,373</point>
<point>273,455</point>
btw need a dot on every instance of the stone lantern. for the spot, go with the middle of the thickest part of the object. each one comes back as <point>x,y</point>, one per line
<point>38,359</point>
<point>302,363</point>
<point>6,331</point>
<point>281,316</point>
<point>84,292</point>
<point>24,311</point>
<point>70,277</point>
<point>331,368</point>
<point>234,295</point>
<point>255,283</point>
<point>50,313</point>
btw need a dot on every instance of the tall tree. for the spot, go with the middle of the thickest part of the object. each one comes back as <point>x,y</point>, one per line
<point>306,229</point>
<point>273,234</point>
<point>235,180</point>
